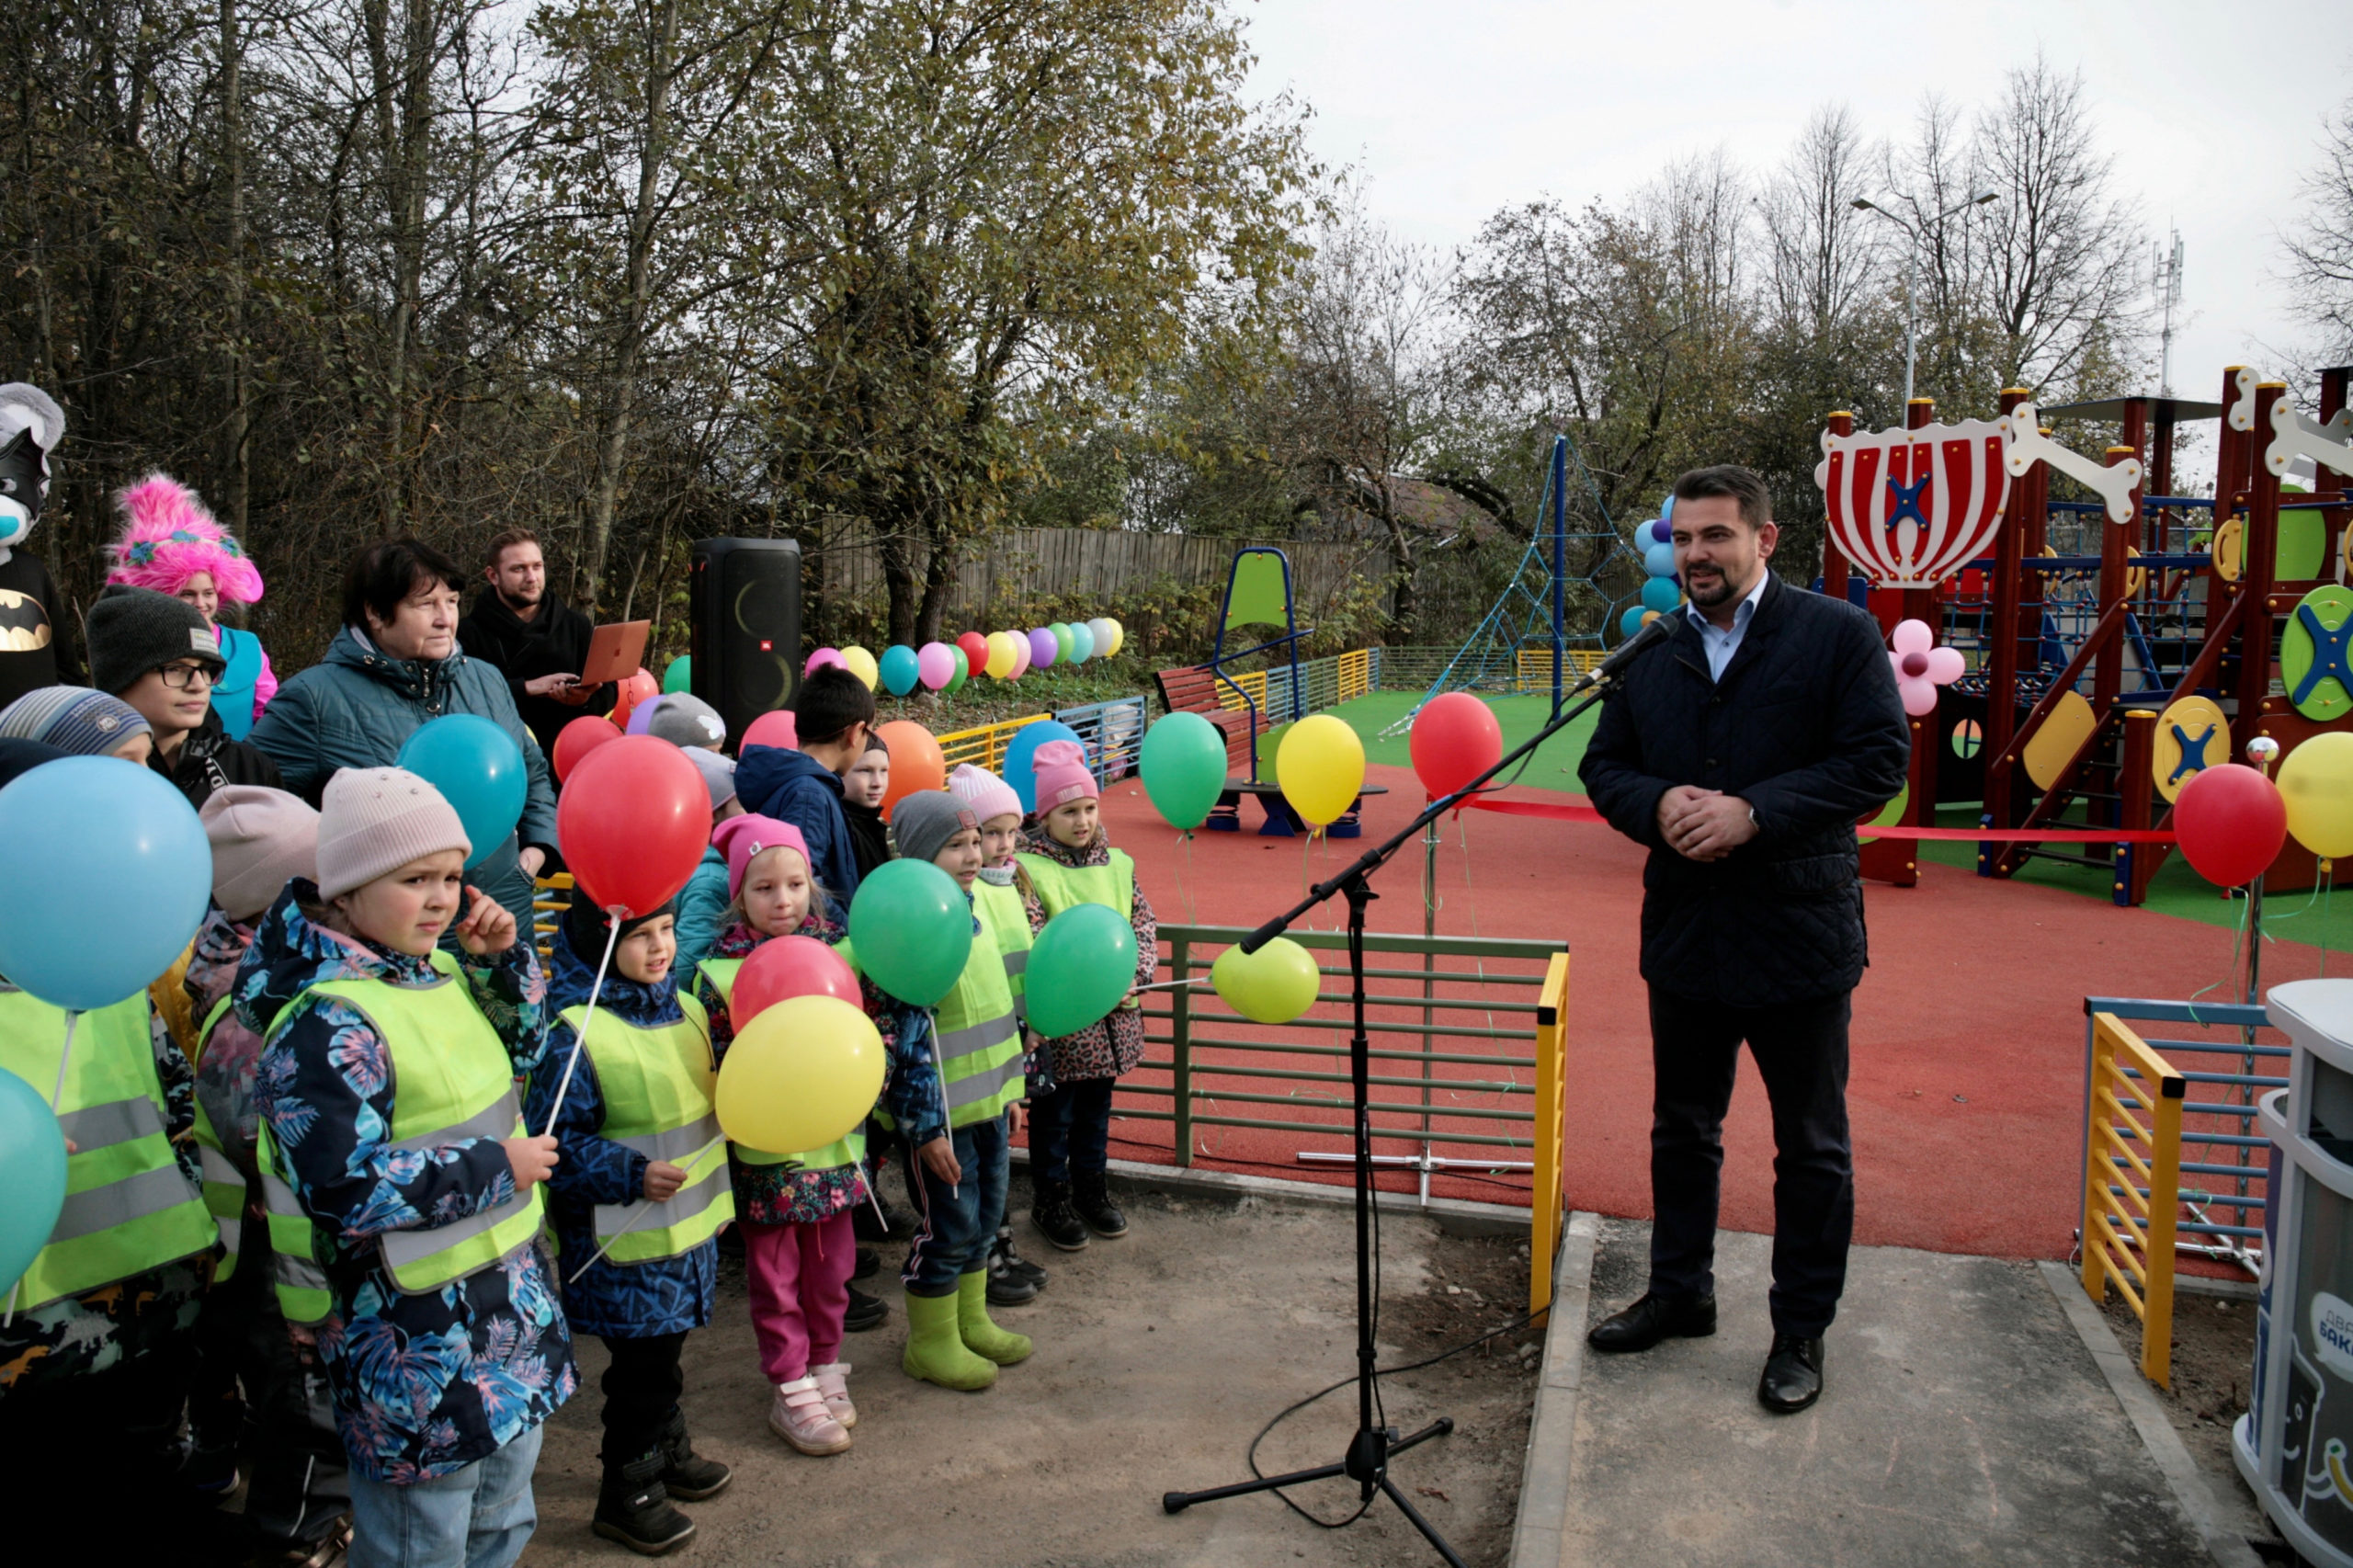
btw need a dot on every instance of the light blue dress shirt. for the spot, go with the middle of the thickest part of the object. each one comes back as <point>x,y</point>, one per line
<point>1722,645</point>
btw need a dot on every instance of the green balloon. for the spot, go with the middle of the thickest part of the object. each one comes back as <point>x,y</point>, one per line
<point>1183,763</point>
<point>1081,963</point>
<point>680,674</point>
<point>963,668</point>
<point>912,929</point>
<point>1062,644</point>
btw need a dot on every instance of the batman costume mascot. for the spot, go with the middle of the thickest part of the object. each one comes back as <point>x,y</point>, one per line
<point>32,648</point>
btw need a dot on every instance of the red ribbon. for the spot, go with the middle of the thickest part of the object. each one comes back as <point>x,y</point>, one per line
<point>1566,811</point>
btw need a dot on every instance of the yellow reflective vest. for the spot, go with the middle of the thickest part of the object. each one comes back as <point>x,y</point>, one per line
<point>656,1085</point>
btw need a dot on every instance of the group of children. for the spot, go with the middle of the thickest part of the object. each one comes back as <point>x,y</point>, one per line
<point>393,1100</point>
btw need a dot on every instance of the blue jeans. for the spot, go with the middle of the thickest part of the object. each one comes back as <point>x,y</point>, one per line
<point>956,1223</point>
<point>480,1516</point>
<point>1070,1130</point>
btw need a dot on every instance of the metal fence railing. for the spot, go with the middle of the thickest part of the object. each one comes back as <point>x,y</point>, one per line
<point>1322,683</point>
<point>1112,733</point>
<point>2131,1184</point>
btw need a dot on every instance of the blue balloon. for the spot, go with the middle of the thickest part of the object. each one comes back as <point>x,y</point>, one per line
<point>108,877</point>
<point>479,770</point>
<point>1631,621</point>
<point>1020,755</point>
<point>901,668</point>
<point>1662,530</point>
<point>1082,642</point>
<point>1659,561</point>
<point>33,1172</point>
<point>1666,509</point>
<point>1661,594</point>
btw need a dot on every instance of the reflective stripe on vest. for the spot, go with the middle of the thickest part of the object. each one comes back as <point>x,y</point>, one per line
<point>1000,910</point>
<point>129,1208</point>
<point>224,1184</point>
<point>294,1272</point>
<point>980,1042</point>
<point>453,1082</point>
<point>656,1086</point>
<point>847,1150</point>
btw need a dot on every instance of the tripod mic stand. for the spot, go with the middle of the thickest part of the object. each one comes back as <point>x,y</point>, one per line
<point>1367,1461</point>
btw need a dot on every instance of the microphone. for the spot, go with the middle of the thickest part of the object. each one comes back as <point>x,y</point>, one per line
<point>1651,633</point>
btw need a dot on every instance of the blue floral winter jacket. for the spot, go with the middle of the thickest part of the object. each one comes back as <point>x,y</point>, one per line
<point>616,1301</point>
<point>422,1385</point>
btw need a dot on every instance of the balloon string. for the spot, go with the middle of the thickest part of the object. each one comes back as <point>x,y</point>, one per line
<point>1185,881</point>
<point>587,1016</point>
<point>65,1056</point>
<point>646,1206</point>
<point>2238,938</point>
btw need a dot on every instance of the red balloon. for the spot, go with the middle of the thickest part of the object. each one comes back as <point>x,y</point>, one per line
<point>579,738</point>
<point>633,821</point>
<point>976,650</point>
<point>785,967</point>
<point>2231,822</point>
<point>640,687</point>
<point>1455,739</point>
<point>773,729</point>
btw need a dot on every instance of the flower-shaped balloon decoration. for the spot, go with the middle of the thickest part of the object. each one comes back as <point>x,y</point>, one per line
<point>1921,667</point>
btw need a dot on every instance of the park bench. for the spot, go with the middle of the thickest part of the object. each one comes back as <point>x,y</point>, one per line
<point>1191,688</point>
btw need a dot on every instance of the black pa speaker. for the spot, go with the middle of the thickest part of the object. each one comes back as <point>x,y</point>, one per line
<point>744,599</point>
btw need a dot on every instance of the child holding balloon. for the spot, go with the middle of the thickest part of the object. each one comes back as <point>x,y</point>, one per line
<point>1070,861</point>
<point>794,1207</point>
<point>638,1195</point>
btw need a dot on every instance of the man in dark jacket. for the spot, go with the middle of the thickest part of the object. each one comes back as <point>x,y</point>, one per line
<point>532,638</point>
<point>832,711</point>
<point>160,654</point>
<point>1741,751</point>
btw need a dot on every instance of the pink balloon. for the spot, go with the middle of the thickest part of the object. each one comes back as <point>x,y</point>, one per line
<point>1919,697</point>
<point>1021,655</point>
<point>640,718</point>
<point>1946,665</point>
<point>775,729</point>
<point>822,658</point>
<point>935,664</point>
<point>1912,637</point>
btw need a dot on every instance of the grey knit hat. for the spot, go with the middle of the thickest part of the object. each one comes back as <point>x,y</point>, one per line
<point>684,719</point>
<point>262,840</point>
<point>924,822</point>
<point>717,773</point>
<point>73,718</point>
<point>373,820</point>
<point>133,631</point>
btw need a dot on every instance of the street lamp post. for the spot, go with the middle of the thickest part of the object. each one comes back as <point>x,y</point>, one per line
<point>1912,269</point>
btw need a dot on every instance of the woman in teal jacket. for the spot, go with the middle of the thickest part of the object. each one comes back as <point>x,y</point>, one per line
<point>393,667</point>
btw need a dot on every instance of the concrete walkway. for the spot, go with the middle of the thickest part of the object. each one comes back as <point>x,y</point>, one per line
<point>1964,1422</point>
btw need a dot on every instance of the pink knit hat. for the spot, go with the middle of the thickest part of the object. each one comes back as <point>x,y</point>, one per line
<point>1062,778</point>
<point>988,795</point>
<point>740,838</point>
<point>169,537</point>
<point>373,820</point>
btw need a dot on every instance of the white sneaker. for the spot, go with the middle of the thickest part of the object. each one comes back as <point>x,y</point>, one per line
<point>833,1382</point>
<point>799,1417</point>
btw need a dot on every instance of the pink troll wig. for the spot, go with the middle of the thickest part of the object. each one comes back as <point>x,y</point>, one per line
<point>169,537</point>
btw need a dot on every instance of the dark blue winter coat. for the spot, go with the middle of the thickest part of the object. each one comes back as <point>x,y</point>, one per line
<point>1806,726</point>
<point>793,787</point>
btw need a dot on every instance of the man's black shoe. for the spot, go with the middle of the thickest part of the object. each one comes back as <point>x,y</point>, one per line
<point>1792,1377</point>
<point>1650,1320</point>
<point>864,1312</point>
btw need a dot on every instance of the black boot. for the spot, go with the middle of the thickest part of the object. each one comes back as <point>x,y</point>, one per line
<point>1091,1195</point>
<point>1053,1214</point>
<point>633,1507</point>
<point>685,1474</point>
<point>869,1264</point>
<point>864,1312</point>
<point>1022,1268</point>
<point>1009,1286</point>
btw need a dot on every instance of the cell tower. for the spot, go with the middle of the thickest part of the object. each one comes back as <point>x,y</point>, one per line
<point>2166,278</point>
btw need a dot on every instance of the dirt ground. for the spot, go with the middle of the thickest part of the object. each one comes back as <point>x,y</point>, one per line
<point>1159,1357</point>
<point>2213,1355</point>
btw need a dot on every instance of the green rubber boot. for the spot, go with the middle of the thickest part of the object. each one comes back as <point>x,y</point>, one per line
<point>936,1351</point>
<point>980,1336</point>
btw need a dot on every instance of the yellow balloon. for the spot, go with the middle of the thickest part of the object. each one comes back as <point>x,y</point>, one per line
<point>1001,654</point>
<point>1320,768</point>
<point>802,1073</point>
<point>2316,782</point>
<point>1273,985</point>
<point>861,665</point>
<point>1120,633</point>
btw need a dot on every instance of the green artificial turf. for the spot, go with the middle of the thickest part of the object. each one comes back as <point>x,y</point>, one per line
<point>1554,766</point>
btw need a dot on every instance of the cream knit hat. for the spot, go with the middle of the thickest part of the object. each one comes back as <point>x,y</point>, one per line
<point>373,820</point>
<point>262,840</point>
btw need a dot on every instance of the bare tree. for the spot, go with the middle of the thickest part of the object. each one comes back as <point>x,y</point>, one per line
<point>2320,248</point>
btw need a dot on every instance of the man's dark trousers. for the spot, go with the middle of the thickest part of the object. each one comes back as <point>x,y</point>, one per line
<point>1800,1049</point>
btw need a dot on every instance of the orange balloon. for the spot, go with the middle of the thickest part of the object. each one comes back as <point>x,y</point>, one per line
<point>640,687</point>
<point>916,762</point>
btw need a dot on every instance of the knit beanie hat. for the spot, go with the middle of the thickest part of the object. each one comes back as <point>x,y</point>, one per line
<point>133,631</point>
<point>684,719</point>
<point>20,757</point>
<point>373,820</point>
<point>585,926</point>
<point>717,772</point>
<point>874,741</point>
<point>1062,773</point>
<point>988,795</point>
<point>75,719</point>
<point>740,838</point>
<point>923,822</point>
<point>262,840</point>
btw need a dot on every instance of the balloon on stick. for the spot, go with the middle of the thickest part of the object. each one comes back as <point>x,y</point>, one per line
<point>1183,764</point>
<point>800,1074</point>
<point>2231,823</point>
<point>1080,966</point>
<point>910,930</point>
<point>633,823</point>
<point>775,727</point>
<point>2316,789</point>
<point>479,770</point>
<point>784,967</point>
<point>1319,766</point>
<point>577,739</point>
<point>916,762</point>
<point>1455,738</point>
<point>1273,985</point>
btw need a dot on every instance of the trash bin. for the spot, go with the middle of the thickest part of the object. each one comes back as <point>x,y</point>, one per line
<point>2295,1444</point>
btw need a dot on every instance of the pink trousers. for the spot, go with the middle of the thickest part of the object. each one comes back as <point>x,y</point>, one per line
<point>799,1279</point>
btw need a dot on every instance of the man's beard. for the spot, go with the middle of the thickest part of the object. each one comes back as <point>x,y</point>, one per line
<point>1708,598</point>
<point>522,605</point>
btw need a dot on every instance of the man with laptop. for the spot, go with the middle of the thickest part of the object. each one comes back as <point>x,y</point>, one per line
<point>539,642</point>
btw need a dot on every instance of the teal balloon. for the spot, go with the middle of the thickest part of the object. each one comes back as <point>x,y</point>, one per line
<point>1081,963</point>
<point>479,770</point>
<point>1667,509</point>
<point>1021,753</point>
<point>679,674</point>
<point>901,667</point>
<point>1183,764</point>
<point>108,877</point>
<point>1631,621</point>
<point>963,668</point>
<point>1661,594</point>
<point>33,1172</point>
<point>1082,642</point>
<point>1063,642</point>
<point>910,930</point>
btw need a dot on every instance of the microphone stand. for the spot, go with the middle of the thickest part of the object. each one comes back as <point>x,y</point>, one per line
<point>1366,1461</point>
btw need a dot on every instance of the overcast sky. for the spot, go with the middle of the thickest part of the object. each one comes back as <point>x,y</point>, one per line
<point>1454,110</point>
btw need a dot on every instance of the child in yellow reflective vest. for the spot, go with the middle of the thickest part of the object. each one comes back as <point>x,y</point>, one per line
<point>1070,861</point>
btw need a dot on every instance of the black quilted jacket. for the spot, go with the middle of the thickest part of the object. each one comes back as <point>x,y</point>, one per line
<point>1806,726</point>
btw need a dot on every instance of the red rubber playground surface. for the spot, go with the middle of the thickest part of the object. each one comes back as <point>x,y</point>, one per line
<point>1966,1091</point>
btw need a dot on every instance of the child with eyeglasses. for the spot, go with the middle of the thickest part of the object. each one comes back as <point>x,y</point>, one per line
<point>159,654</point>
